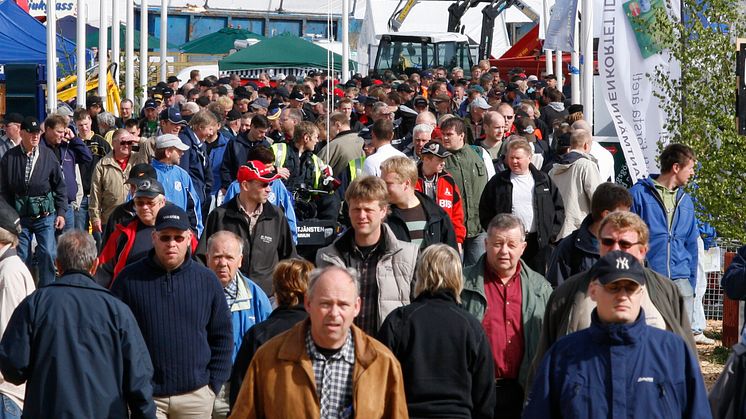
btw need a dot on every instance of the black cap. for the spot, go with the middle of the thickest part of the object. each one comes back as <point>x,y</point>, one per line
<point>512,87</point>
<point>168,92</point>
<point>148,187</point>
<point>350,83</point>
<point>312,73</point>
<point>436,149</point>
<point>141,170</point>
<point>297,95</point>
<point>419,101</point>
<point>233,115</point>
<point>405,87</point>
<point>224,80</point>
<point>618,265</point>
<point>93,100</point>
<point>30,124</point>
<point>172,79</point>
<point>574,109</point>
<point>172,216</point>
<point>150,103</point>
<point>13,118</point>
<point>9,219</point>
<point>221,90</point>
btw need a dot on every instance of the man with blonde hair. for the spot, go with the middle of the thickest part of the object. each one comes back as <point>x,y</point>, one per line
<point>569,307</point>
<point>385,263</point>
<point>413,216</point>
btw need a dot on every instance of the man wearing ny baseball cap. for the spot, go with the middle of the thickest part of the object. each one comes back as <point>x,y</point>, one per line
<point>619,366</point>
<point>181,309</point>
<point>248,214</point>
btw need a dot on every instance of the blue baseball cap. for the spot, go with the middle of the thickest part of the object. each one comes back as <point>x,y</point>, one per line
<point>172,216</point>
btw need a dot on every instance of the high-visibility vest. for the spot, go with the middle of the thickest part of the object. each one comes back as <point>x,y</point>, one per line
<point>356,167</point>
<point>281,155</point>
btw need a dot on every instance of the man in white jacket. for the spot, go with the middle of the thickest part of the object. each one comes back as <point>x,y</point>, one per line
<point>576,176</point>
<point>15,284</point>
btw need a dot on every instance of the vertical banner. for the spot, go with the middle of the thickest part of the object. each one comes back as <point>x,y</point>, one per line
<point>628,56</point>
<point>561,30</point>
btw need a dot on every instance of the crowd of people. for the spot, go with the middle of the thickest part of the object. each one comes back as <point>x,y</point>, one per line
<point>237,249</point>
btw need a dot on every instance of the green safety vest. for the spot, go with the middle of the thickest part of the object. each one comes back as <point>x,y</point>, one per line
<point>281,154</point>
<point>356,167</point>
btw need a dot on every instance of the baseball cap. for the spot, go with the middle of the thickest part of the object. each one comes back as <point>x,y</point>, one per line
<point>441,97</point>
<point>350,83</point>
<point>273,113</point>
<point>419,101</point>
<point>512,87</point>
<point>30,124</point>
<point>617,265</point>
<point>9,219</point>
<point>256,170</point>
<point>13,118</point>
<point>480,103</point>
<point>147,187</point>
<point>297,95</point>
<point>532,78</point>
<point>141,170</point>
<point>477,88</point>
<point>150,103</point>
<point>260,103</point>
<point>233,115</point>
<point>574,108</point>
<point>172,216</point>
<point>168,92</point>
<point>94,101</point>
<point>436,149</point>
<point>172,79</point>
<point>170,140</point>
<point>360,99</point>
<point>282,91</point>
<point>427,74</point>
<point>172,115</point>
<point>404,87</point>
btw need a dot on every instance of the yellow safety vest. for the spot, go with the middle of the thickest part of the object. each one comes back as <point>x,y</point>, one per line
<point>356,167</point>
<point>281,154</point>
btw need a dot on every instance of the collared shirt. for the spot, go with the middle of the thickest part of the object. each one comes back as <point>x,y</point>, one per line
<point>252,216</point>
<point>365,262</point>
<point>503,323</point>
<point>32,157</point>
<point>333,378</point>
<point>669,200</point>
<point>231,291</point>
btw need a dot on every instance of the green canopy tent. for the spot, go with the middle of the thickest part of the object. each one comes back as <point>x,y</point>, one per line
<point>218,43</point>
<point>154,43</point>
<point>283,51</point>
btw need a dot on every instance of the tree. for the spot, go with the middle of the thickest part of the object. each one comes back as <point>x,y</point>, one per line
<point>701,107</point>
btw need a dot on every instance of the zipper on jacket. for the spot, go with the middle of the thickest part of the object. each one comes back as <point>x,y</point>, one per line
<point>669,227</point>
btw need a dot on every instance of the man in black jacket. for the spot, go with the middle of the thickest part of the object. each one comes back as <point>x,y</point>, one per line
<point>261,224</point>
<point>529,194</point>
<point>32,182</point>
<point>237,150</point>
<point>413,216</point>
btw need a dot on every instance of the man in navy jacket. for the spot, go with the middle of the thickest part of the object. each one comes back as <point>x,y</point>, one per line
<point>78,348</point>
<point>619,366</point>
<point>181,309</point>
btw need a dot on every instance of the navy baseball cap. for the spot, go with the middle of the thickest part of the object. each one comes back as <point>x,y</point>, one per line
<point>173,115</point>
<point>30,124</point>
<point>618,265</point>
<point>172,216</point>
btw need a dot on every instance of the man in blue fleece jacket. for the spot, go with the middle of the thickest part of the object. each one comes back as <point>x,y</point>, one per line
<point>182,313</point>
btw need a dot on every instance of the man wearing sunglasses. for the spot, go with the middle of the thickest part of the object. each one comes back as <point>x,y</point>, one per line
<point>619,366</point>
<point>181,309</point>
<point>570,305</point>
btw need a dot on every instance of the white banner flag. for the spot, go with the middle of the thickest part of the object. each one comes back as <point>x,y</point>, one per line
<point>626,54</point>
<point>562,26</point>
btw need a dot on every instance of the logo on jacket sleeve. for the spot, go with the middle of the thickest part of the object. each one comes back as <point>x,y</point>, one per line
<point>448,192</point>
<point>265,239</point>
<point>177,186</point>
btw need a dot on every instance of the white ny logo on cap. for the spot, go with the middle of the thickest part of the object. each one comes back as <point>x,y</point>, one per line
<point>622,263</point>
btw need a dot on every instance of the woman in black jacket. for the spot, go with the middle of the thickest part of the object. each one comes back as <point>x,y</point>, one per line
<point>444,354</point>
<point>290,283</point>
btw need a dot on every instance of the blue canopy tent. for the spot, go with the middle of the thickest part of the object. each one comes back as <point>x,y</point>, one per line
<point>24,41</point>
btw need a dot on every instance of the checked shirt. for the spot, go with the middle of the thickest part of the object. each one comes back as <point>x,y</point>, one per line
<point>333,378</point>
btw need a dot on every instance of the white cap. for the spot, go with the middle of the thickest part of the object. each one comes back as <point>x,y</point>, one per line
<point>170,140</point>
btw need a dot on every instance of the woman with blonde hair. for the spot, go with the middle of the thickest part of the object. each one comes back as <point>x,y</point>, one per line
<point>290,282</point>
<point>444,354</point>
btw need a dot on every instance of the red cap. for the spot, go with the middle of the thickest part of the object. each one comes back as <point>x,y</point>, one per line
<point>256,170</point>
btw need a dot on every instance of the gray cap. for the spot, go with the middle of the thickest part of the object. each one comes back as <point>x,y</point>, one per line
<point>170,140</point>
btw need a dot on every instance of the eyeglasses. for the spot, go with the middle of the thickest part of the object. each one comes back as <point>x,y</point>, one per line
<point>623,244</point>
<point>509,116</point>
<point>165,238</point>
<point>146,203</point>
<point>631,288</point>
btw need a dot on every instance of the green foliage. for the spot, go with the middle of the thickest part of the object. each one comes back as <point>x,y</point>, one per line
<point>701,108</point>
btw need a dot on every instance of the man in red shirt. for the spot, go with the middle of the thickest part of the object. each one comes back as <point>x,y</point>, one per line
<point>509,299</point>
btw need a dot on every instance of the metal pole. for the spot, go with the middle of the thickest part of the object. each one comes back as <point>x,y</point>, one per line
<point>80,59</point>
<point>558,69</point>
<point>103,50</point>
<point>164,38</point>
<point>115,40</point>
<point>129,86</point>
<point>143,51</point>
<point>575,63</point>
<point>587,50</point>
<point>345,41</point>
<point>545,22</point>
<point>51,56</point>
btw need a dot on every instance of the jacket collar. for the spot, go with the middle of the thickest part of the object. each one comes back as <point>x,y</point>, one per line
<point>475,281</point>
<point>648,183</point>
<point>389,244</point>
<point>618,334</point>
<point>294,349</point>
<point>79,279</point>
<point>428,206</point>
<point>584,240</point>
<point>440,295</point>
<point>268,210</point>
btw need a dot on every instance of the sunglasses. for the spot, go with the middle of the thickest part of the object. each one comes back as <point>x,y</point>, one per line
<point>165,238</point>
<point>631,288</point>
<point>623,244</point>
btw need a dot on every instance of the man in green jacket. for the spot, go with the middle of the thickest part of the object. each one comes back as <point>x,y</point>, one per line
<point>508,298</point>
